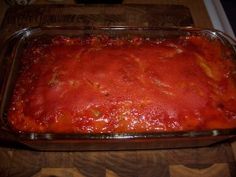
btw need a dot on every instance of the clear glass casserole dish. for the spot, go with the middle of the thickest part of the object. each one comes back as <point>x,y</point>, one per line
<point>10,65</point>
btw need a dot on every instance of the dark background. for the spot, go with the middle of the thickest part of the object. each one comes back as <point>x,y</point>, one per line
<point>230,10</point>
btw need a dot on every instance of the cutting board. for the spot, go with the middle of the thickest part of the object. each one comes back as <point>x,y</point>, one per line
<point>215,161</point>
<point>96,15</point>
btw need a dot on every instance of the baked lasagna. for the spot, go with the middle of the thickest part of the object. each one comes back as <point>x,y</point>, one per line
<point>100,84</point>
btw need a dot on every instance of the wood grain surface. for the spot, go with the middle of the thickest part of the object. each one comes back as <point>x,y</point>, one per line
<point>96,15</point>
<point>215,161</point>
<point>196,7</point>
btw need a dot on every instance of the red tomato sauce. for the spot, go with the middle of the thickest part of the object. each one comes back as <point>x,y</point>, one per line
<point>105,85</point>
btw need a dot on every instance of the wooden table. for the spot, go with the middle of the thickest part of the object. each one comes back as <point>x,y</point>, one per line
<point>216,161</point>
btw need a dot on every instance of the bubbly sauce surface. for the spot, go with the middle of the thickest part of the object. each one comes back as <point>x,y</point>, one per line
<point>105,85</point>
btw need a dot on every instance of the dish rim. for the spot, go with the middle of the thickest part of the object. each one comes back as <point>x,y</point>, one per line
<point>29,31</point>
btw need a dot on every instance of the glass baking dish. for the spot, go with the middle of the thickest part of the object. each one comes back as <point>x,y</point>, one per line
<point>10,64</point>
